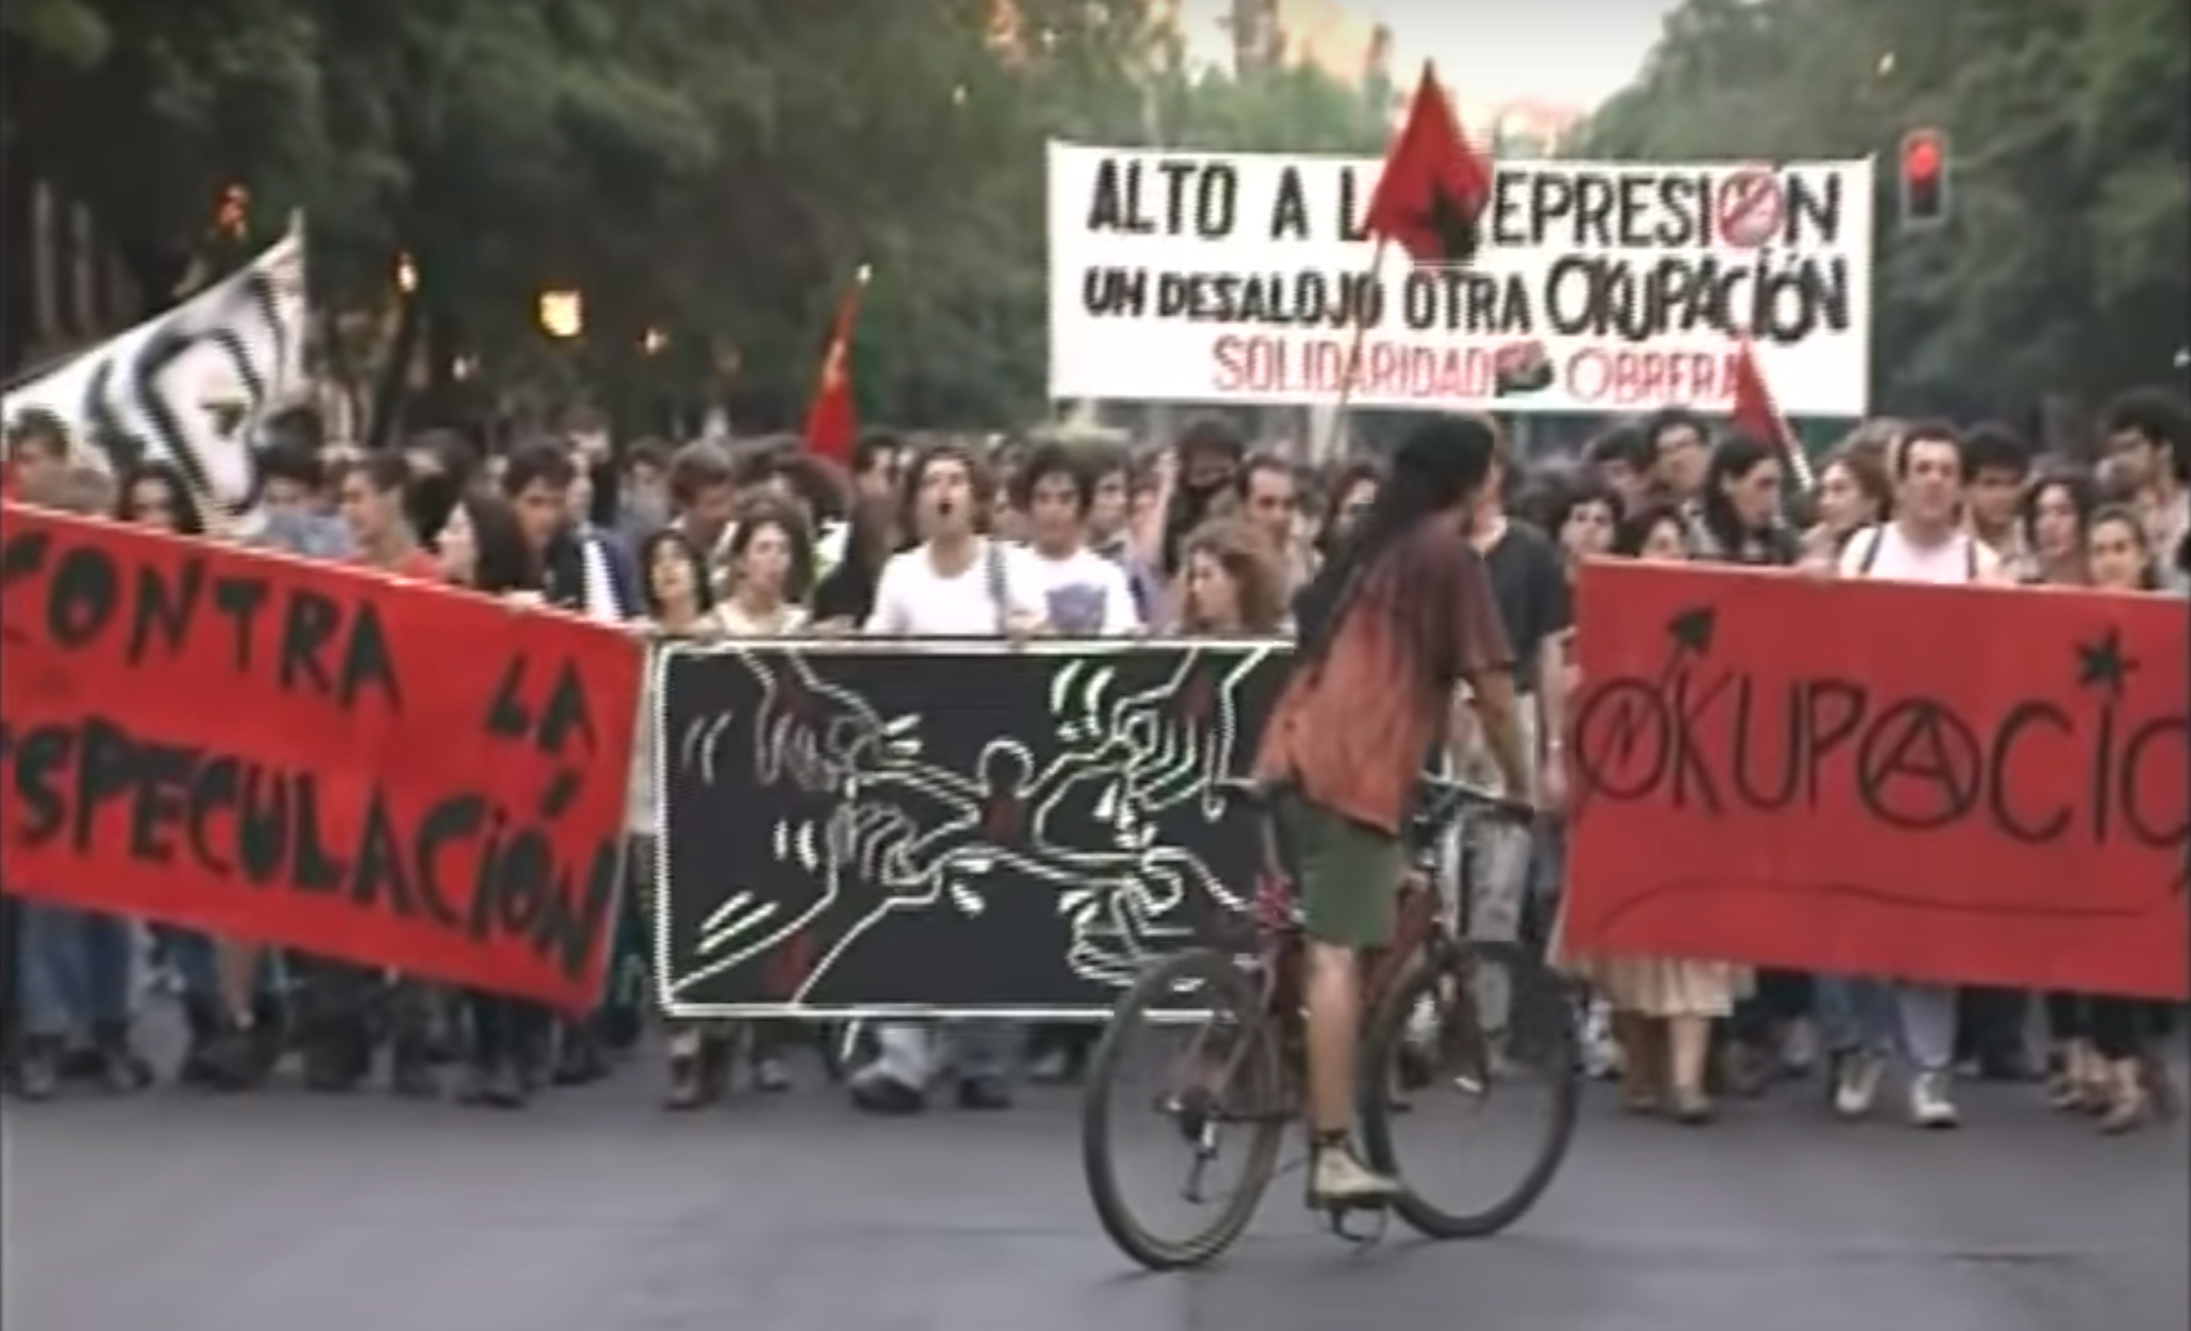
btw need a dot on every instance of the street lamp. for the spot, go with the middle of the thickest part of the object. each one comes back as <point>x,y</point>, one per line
<point>562,314</point>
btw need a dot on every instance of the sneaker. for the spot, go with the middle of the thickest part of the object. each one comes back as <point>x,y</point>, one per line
<point>1798,1050</point>
<point>770,1076</point>
<point>1932,1105</point>
<point>877,1092</point>
<point>38,1077</point>
<point>1339,1178</point>
<point>985,1092</point>
<point>1056,1066</point>
<point>1856,1083</point>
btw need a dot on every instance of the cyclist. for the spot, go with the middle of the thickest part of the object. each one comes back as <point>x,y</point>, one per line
<point>1401,615</point>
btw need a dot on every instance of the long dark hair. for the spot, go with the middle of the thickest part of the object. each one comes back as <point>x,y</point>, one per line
<point>189,517</point>
<point>1441,465</point>
<point>1735,457</point>
<point>504,562</point>
<point>1361,471</point>
<point>1635,529</point>
<point>2076,487</point>
<point>703,586</point>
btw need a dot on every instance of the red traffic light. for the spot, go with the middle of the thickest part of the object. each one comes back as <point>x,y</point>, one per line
<point>1922,155</point>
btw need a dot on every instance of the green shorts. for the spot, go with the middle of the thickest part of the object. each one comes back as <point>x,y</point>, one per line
<point>1348,873</point>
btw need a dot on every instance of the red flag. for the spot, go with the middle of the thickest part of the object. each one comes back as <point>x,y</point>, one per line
<point>1432,193</point>
<point>833,419</point>
<point>1756,415</point>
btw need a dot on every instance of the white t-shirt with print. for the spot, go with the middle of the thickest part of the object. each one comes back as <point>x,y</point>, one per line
<point>913,599</point>
<point>1085,594</point>
<point>1893,558</point>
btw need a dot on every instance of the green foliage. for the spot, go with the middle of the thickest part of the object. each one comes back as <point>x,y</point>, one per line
<point>713,169</point>
<point>2064,267</point>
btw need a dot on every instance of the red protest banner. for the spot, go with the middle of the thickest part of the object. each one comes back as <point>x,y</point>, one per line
<point>312,756</point>
<point>1970,785</point>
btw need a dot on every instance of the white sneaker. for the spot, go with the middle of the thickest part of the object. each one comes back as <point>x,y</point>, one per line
<point>1338,1178</point>
<point>1932,1103</point>
<point>1856,1083</point>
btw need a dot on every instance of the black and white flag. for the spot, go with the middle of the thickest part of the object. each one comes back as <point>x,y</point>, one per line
<point>191,385</point>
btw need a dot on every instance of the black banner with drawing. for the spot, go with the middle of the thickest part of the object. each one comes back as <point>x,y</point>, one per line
<point>853,827</point>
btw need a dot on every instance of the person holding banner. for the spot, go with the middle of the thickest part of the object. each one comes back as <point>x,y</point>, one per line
<point>1867,1019</point>
<point>38,450</point>
<point>230,1006</point>
<point>1737,520</point>
<point>959,582</point>
<point>73,966</point>
<point>1662,1009</point>
<point>486,547</point>
<point>336,1000</point>
<point>679,597</point>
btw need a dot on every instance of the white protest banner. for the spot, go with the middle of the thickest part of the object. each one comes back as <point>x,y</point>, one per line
<point>190,385</point>
<point>1602,286</point>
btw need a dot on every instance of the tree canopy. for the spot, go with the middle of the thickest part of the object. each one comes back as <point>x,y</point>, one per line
<point>2065,264</point>
<point>707,173</point>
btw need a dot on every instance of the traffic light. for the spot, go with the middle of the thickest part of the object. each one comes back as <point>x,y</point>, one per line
<point>1924,170</point>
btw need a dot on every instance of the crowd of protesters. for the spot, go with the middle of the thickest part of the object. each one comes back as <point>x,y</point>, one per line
<point>1208,536</point>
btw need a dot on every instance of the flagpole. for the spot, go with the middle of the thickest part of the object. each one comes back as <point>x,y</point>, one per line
<point>1354,355</point>
<point>1797,461</point>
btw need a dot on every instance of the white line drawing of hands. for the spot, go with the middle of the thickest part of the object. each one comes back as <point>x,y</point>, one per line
<point>865,842</point>
<point>1172,760</point>
<point>814,733</point>
<point>1153,753</point>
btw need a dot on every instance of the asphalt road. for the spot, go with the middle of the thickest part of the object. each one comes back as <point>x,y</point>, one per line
<point>596,1212</point>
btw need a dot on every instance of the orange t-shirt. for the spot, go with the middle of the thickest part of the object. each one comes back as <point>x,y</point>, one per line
<point>1350,732</point>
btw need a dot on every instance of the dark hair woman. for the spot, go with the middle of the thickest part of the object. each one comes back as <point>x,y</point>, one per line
<point>1737,519</point>
<point>154,493</point>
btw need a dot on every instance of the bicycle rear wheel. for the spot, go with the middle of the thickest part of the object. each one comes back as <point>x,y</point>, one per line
<point>1429,1059</point>
<point>1224,1084</point>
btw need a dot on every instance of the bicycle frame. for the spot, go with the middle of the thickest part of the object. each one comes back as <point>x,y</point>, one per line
<point>1425,932</point>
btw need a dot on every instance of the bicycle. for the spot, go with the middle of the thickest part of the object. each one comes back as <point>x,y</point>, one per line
<point>1421,1022</point>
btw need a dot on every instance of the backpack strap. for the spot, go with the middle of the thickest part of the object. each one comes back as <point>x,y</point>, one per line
<point>1871,551</point>
<point>1000,592</point>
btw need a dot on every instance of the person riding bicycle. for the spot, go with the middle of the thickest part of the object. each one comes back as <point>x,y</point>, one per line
<point>1400,616</point>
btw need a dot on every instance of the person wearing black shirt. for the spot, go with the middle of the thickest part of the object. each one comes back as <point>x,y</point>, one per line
<point>844,597</point>
<point>1530,586</point>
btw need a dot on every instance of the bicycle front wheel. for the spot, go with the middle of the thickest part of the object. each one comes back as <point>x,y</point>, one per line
<point>1188,1067</point>
<point>1472,1061</point>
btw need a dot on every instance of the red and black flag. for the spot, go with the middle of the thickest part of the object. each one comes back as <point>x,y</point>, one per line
<point>1431,197</point>
<point>1758,416</point>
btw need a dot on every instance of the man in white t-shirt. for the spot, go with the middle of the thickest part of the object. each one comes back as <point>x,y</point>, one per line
<point>956,583</point>
<point>1864,1019</point>
<point>1083,593</point>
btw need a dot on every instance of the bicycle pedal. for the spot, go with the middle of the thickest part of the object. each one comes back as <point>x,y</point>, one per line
<point>1339,1215</point>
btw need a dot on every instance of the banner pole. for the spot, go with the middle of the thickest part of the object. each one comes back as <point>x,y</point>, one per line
<point>1354,359</point>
